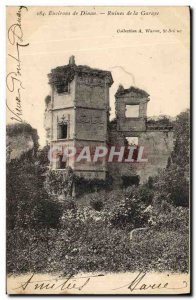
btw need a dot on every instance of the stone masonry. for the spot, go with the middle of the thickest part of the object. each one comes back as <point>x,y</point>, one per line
<point>77,114</point>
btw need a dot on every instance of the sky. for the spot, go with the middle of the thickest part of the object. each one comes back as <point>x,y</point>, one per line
<point>156,62</point>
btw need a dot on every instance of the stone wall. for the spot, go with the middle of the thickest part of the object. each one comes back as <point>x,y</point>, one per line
<point>92,104</point>
<point>91,124</point>
<point>158,146</point>
<point>80,100</point>
<point>66,99</point>
<point>131,96</point>
<point>91,96</point>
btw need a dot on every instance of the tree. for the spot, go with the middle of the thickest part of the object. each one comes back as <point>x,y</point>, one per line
<point>172,184</point>
<point>28,203</point>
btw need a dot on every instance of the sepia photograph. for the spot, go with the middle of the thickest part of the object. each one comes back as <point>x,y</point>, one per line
<point>98,150</point>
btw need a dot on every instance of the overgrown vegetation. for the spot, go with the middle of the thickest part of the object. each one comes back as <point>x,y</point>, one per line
<point>28,203</point>
<point>21,128</point>
<point>172,184</point>
<point>161,120</point>
<point>92,232</point>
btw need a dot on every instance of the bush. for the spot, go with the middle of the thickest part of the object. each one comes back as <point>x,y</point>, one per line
<point>130,211</point>
<point>93,233</point>
<point>48,213</point>
<point>94,246</point>
<point>86,186</point>
<point>172,184</point>
<point>130,180</point>
<point>97,204</point>
<point>172,218</point>
<point>59,183</point>
<point>28,204</point>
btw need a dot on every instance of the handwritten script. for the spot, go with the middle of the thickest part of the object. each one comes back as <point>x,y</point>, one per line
<point>14,83</point>
<point>67,282</point>
<point>138,284</point>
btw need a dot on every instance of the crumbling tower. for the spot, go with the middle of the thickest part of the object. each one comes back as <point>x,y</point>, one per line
<point>131,109</point>
<point>77,114</point>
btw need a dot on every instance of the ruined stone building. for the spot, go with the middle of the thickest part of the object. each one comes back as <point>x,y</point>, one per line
<point>77,114</point>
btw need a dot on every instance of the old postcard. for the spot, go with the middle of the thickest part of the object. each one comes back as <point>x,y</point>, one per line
<point>98,149</point>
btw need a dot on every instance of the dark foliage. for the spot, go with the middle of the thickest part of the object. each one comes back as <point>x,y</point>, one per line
<point>130,212</point>
<point>28,204</point>
<point>162,120</point>
<point>95,246</point>
<point>86,186</point>
<point>97,204</point>
<point>48,213</point>
<point>172,184</point>
<point>130,180</point>
<point>93,233</point>
<point>59,183</point>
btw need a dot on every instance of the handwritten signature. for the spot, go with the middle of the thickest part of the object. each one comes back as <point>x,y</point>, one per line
<point>14,78</point>
<point>77,283</point>
<point>138,284</point>
<point>67,282</point>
